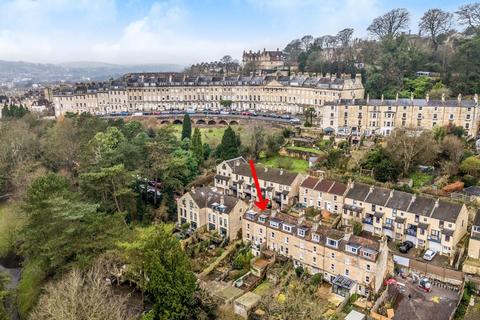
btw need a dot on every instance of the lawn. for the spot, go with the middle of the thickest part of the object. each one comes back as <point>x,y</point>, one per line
<point>288,163</point>
<point>420,179</point>
<point>305,149</point>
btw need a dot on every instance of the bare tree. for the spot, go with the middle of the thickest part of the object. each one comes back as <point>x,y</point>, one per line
<point>390,24</point>
<point>330,41</point>
<point>307,42</point>
<point>407,148</point>
<point>452,147</point>
<point>469,15</point>
<point>344,36</point>
<point>80,296</point>
<point>435,22</point>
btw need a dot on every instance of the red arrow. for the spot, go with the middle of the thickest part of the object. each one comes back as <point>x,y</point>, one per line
<point>261,203</point>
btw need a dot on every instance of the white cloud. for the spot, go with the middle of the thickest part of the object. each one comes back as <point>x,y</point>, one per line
<point>167,32</point>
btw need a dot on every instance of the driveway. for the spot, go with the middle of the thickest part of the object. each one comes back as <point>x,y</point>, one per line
<point>435,305</point>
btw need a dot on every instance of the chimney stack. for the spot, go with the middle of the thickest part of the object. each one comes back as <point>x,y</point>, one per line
<point>443,97</point>
<point>266,169</point>
<point>222,199</point>
<point>368,98</point>
<point>427,97</point>
<point>459,98</point>
<point>382,98</point>
<point>475,98</point>
<point>281,171</point>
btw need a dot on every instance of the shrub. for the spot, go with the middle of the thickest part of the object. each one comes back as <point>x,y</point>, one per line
<point>299,271</point>
<point>317,279</point>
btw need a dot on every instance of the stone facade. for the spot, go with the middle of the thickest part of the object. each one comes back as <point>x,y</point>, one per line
<point>428,222</point>
<point>265,60</point>
<point>280,186</point>
<point>381,117</point>
<point>352,264</point>
<point>207,207</point>
<point>160,92</point>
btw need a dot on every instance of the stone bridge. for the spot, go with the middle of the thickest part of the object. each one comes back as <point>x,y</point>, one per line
<point>215,119</point>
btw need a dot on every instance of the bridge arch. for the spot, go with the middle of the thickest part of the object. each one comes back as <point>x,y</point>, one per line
<point>165,122</point>
<point>177,121</point>
<point>223,122</point>
<point>234,123</point>
<point>201,121</point>
<point>212,122</point>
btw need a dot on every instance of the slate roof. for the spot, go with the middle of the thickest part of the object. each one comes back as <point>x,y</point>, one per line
<point>399,200</point>
<point>207,196</point>
<point>324,185</point>
<point>378,196</point>
<point>422,206</point>
<point>447,211</point>
<point>310,182</point>
<point>476,221</point>
<point>358,192</point>
<point>279,176</point>
<point>338,188</point>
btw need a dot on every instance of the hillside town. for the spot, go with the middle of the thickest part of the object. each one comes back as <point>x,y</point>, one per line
<point>335,178</point>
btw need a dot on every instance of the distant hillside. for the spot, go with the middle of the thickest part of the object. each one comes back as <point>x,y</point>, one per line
<point>26,72</point>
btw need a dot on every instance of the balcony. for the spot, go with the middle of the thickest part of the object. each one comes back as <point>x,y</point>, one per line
<point>368,220</point>
<point>411,232</point>
<point>388,226</point>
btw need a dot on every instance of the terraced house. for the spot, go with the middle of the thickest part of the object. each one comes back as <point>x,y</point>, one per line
<point>234,177</point>
<point>322,194</point>
<point>352,264</point>
<point>207,207</point>
<point>427,222</point>
<point>165,91</point>
<point>381,117</point>
<point>474,242</point>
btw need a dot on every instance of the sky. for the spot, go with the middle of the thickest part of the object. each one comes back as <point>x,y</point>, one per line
<point>179,31</point>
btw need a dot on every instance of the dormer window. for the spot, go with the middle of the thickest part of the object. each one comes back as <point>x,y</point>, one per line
<point>332,243</point>
<point>301,232</point>
<point>274,224</point>
<point>351,249</point>
<point>476,228</point>
<point>261,219</point>
<point>316,237</point>
<point>287,228</point>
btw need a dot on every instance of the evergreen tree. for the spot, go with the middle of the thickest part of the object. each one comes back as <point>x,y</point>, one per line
<point>230,145</point>
<point>197,145</point>
<point>187,127</point>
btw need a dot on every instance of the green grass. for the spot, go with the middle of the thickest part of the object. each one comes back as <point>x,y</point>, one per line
<point>10,224</point>
<point>420,179</point>
<point>30,286</point>
<point>305,149</point>
<point>288,163</point>
<point>263,288</point>
<point>212,136</point>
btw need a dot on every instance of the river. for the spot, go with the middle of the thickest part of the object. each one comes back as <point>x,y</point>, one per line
<point>11,266</point>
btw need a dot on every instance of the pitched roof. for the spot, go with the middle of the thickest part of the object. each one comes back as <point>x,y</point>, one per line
<point>378,196</point>
<point>447,211</point>
<point>399,200</point>
<point>210,197</point>
<point>279,176</point>
<point>422,206</point>
<point>476,221</point>
<point>358,192</point>
<point>338,188</point>
<point>310,182</point>
<point>324,185</point>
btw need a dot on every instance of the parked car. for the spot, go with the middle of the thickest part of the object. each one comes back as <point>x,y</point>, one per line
<point>429,255</point>
<point>406,246</point>
<point>295,120</point>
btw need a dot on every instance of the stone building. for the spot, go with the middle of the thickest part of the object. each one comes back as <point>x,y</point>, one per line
<point>429,223</point>
<point>176,91</point>
<point>352,264</point>
<point>234,177</point>
<point>207,207</point>
<point>265,60</point>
